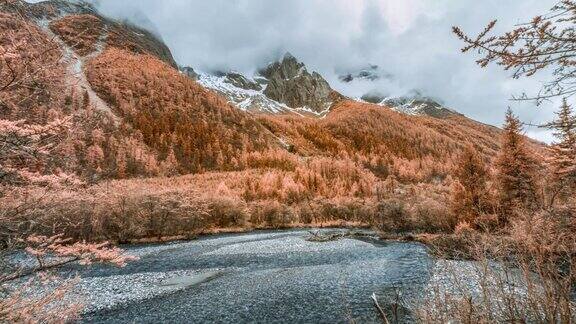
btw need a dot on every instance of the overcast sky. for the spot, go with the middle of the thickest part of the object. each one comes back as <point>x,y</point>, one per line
<point>410,39</point>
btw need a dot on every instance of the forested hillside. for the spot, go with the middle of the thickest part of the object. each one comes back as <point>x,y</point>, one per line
<point>111,106</point>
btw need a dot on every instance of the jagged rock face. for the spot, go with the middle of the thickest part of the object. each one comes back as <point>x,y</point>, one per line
<point>419,105</point>
<point>374,97</point>
<point>290,83</point>
<point>242,92</point>
<point>189,72</point>
<point>371,73</point>
<point>240,81</point>
<point>284,87</point>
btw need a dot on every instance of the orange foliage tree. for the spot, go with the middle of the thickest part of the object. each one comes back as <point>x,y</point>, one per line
<point>562,160</point>
<point>174,113</point>
<point>516,171</point>
<point>548,41</point>
<point>470,196</point>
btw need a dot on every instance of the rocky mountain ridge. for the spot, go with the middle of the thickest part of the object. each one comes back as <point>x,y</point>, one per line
<point>413,103</point>
<point>284,86</point>
<point>371,72</point>
<point>289,82</point>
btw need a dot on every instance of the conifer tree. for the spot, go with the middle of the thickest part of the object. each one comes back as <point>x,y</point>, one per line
<point>516,171</point>
<point>470,194</point>
<point>169,166</point>
<point>562,161</point>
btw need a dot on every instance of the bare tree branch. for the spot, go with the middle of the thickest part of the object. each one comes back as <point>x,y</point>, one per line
<point>546,43</point>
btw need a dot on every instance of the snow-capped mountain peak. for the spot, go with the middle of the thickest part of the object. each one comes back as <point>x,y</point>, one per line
<point>285,86</point>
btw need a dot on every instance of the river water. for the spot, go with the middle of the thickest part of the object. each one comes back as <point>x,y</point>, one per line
<point>261,277</point>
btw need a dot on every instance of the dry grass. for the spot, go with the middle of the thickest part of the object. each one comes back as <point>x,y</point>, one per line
<point>526,276</point>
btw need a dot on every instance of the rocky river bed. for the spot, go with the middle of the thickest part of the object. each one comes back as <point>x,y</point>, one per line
<point>259,277</point>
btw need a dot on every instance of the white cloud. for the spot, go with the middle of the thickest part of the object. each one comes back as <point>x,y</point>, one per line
<point>400,15</point>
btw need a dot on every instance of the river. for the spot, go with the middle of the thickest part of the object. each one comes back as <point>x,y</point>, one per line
<point>260,277</point>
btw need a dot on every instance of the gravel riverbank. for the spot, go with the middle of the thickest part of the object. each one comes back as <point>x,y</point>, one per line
<point>260,277</point>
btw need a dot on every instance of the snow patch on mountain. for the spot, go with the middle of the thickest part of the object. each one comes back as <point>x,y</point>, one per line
<point>379,89</point>
<point>415,105</point>
<point>245,99</point>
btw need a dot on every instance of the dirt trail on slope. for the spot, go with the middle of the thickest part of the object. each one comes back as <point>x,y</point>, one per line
<point>75,76</point>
